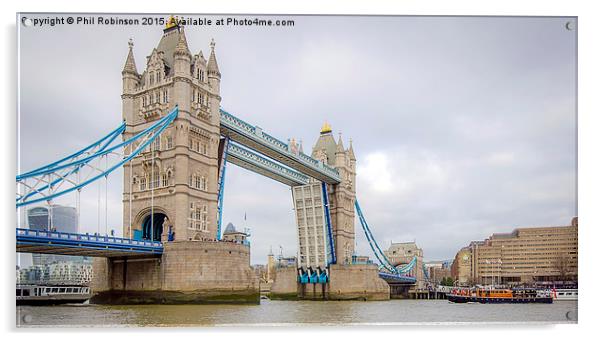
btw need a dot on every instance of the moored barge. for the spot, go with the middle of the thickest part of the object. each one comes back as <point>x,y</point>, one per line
<point>493,295</point>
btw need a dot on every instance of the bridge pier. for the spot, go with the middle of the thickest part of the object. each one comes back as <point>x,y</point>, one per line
<point>186,272</point>
<point>347,282</point>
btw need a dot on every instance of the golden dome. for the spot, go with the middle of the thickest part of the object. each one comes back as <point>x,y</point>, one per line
<point>326,128</point>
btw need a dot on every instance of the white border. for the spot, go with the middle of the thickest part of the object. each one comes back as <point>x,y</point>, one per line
<point>589,154</point>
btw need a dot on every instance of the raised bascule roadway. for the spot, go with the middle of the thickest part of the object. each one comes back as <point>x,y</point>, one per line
<point>172,193</point>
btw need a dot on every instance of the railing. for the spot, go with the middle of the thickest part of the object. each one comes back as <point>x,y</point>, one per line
<point>244,127</point>
<point>85,237</point>
<point>237,151</point>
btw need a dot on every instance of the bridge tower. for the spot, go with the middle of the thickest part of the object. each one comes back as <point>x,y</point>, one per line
<point>170,189</point>
<point>341,196</point>
<point>172,186</point>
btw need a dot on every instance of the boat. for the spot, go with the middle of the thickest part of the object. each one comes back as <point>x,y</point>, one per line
<point>52,294</point>
<point>495,295</point>
<point>565,294</point>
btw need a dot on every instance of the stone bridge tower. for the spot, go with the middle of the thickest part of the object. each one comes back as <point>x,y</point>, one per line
<point>170,189</point>
<point>172,186</point>
<point>341,196</point>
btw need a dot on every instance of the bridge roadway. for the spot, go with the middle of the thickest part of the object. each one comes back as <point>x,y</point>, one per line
<point>75,244</point>
<point>254,138</point>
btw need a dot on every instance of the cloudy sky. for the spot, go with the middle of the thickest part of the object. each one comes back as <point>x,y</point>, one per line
<point>462,126</point>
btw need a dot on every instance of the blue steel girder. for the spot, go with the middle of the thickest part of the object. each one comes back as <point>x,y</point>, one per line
<point>254,138</point>
<point>397,279</point>
<point>80,169</point>
<point>254,162</point>
<point>75,244</point>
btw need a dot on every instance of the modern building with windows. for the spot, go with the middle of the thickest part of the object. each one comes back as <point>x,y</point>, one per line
<point>525,255</point>
<point>61,219</point>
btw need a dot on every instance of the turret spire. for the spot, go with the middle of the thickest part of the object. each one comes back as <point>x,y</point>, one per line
<point>212,67</point>
<point>130,63</point>
<point>350,150</point>
<point>340,148</point>
<point>182,46</point>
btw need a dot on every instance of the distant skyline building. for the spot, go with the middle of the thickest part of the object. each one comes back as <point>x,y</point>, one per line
<point>61,219</point>
<point>526,255</point>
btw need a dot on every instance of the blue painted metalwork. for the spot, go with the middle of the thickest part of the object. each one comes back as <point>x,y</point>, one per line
<point>246,158</point>
<point>106,140</point>
<point>83,243</point>
<point>303,278</point>
<point>397,278</point>
<point>51,171</point>
<point>425,272</point>
<point>378,253</point>
<point>220,193</point>
<point>231,123</point>
<point>332,257</point>
<point>323,278</point>
<point>313,277</point>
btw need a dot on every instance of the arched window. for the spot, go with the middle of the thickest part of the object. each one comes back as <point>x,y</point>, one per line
<point>168,142</point>
<point>164,180</point>
<point>142,183</point>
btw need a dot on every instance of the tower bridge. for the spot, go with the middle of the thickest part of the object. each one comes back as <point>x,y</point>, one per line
<point>177,142</point>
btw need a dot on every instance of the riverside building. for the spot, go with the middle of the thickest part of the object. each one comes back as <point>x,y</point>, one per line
<point>542,255</point>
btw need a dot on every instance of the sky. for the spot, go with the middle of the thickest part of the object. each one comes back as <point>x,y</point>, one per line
<point>462,126</point>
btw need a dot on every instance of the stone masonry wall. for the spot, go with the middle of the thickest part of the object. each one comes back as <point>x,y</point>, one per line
<point>357,281</point>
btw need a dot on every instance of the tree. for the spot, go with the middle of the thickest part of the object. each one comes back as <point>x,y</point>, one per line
<point>447,281</point>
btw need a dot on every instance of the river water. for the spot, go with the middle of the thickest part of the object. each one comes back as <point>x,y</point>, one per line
<point>296,312</point>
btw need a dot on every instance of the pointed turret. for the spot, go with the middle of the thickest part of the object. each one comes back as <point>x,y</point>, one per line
<point>129,75</point>
<point>202,57</point>
<point>182,45</point>
<point>340,148</point>
<point>130,63</point>
<point>326,145</point>
<point>212,67</point>
<point>350,150</point>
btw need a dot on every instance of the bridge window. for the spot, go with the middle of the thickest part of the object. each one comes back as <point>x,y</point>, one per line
<point>165,96</point>
<point>168,142</point>
<point>154,180</point>
<point>157,144</point>
<point>198,217</point>
<point>142,183</point>
<point>164,180</point>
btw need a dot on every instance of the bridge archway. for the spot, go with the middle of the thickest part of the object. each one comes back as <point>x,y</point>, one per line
<point>151,223</point>
<point>152,226</point>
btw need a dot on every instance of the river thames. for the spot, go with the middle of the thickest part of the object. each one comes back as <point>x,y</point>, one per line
<point>295,313</point>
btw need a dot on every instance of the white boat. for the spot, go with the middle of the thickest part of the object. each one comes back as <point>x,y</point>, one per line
<point>565,294</point>
<point>51,294</point>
